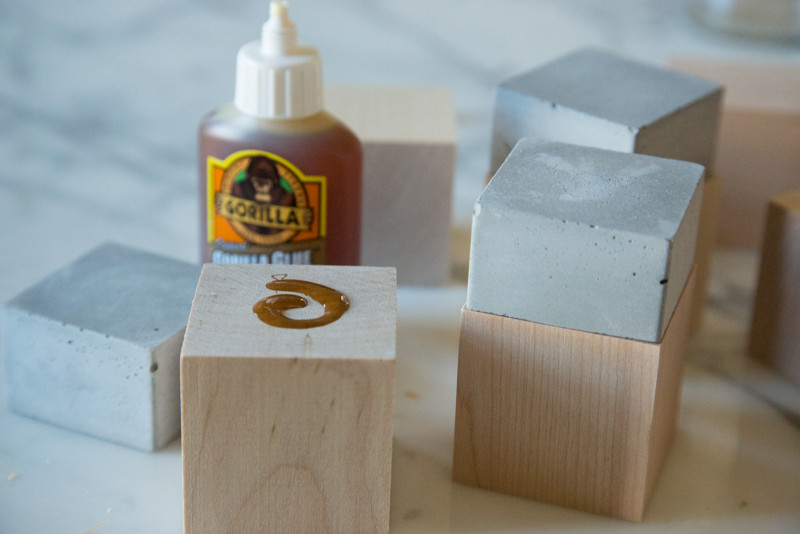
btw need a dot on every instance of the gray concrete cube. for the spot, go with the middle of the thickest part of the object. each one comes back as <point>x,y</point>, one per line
<point>586,239</point>
<point>95,346</point>
<point>598,99</point>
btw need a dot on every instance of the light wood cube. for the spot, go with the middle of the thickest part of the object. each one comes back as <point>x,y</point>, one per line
<point>595,98</point>
<point>566,417</point>
<point>586,239</point>
<point>775,336</point>
<point>288,429</point>
<point>94,347</point>
<point>757,154</point>
<point>409,137</point>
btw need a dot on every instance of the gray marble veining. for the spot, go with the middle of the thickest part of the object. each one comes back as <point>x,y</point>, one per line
<point>99,101</point>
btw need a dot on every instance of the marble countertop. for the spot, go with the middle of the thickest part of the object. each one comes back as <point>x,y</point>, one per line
<point>734,465</point>
<point>99,104</point>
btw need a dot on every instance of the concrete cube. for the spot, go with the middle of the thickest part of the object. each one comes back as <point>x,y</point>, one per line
<point>95,346</point>
<point>571,418</point>
<point>598,99</point>
<point>775,333</point>
<point>587,239</point>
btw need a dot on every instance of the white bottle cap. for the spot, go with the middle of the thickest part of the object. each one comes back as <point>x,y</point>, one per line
<point>276,78</point>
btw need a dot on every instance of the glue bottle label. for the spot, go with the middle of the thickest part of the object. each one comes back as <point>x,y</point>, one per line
<point>263,209</point>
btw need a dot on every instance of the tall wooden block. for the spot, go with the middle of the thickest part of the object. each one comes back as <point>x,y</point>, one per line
<point>757,155</point>
<point>409,139</point>
<point>775,335</point>
<point>567,417</point>
<point>288,428</point>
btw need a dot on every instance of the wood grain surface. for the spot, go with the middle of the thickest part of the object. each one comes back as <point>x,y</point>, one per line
<point>571,418</point>
<point>294,435</point>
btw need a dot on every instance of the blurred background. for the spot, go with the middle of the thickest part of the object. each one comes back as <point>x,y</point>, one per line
<point>99,102</point>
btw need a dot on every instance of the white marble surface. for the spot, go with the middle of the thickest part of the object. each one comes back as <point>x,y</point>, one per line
<point>734,465</point>
<point>99,104</point>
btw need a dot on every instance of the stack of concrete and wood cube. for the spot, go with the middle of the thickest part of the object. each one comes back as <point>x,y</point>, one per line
<point>95,346</point>
<point>597,99</point>
<point>575,326</point>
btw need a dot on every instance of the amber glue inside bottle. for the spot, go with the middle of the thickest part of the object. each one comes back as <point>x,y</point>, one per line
<point>280,178</point>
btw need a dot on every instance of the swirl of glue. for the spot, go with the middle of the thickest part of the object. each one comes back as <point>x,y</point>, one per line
<point>271,309</point>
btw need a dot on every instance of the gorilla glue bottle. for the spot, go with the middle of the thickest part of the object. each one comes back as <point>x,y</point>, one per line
<point>280,179</point>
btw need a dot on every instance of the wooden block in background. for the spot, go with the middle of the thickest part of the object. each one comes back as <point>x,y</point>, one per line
<point>288,430</point>
<point>94,347</point>
<point>586,239</point>
<point>571,418</point>
<point>757,153</point>
<point>775,335</point>
<point>409,139</point>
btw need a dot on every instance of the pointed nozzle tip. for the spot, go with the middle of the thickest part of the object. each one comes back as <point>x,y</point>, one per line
<point>279,8</point>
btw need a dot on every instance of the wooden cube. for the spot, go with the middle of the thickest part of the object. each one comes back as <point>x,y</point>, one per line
<point>571,418</point>
<point>757,155</point>
<point>288,428</point>
<point>409,139</point>
<point>775,335</point>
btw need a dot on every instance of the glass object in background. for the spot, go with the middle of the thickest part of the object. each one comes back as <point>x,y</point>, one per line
<point>770,19</point>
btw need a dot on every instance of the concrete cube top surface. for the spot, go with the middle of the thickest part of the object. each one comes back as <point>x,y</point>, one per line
<point>117,291</point>
<point>600,188</point>
<point>605,85</point>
